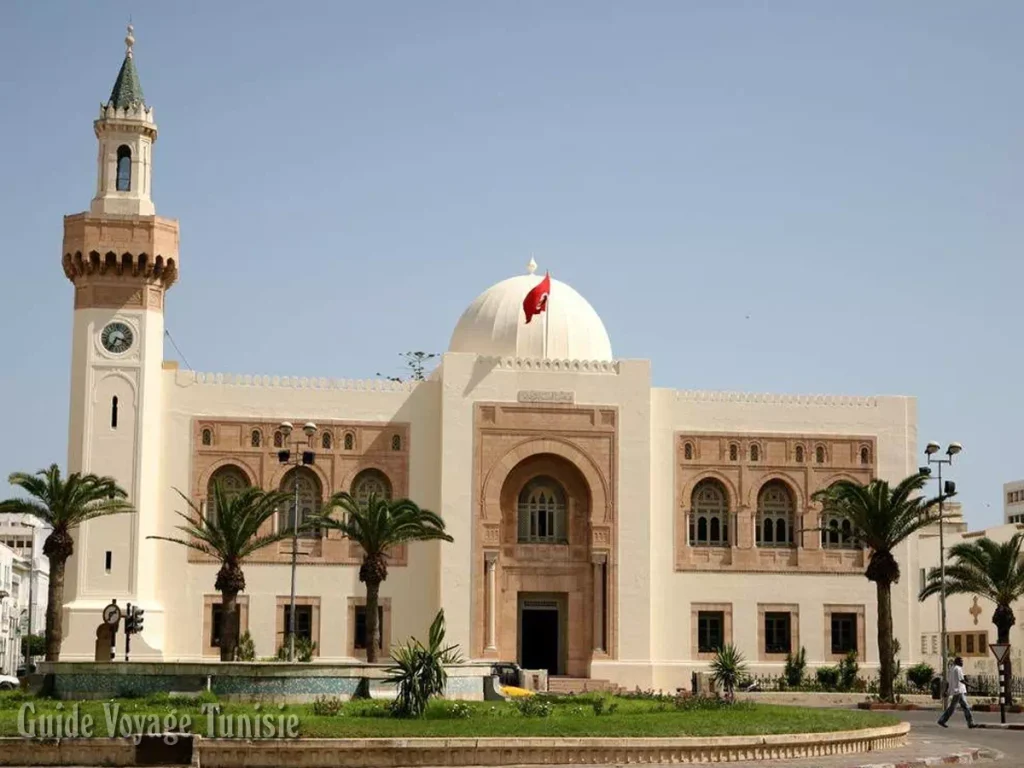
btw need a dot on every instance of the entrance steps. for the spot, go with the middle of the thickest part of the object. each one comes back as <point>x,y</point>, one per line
<point>567,685</point>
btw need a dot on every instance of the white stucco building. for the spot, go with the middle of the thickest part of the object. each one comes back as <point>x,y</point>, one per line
<point>603,528</point>
<point>14,575</point>
<point>26,535</point>
<point>1013,502</point>
<point>969,626</point>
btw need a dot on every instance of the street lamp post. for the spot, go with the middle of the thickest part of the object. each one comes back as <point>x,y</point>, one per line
<point>301,458</point>
<point>952,450</point>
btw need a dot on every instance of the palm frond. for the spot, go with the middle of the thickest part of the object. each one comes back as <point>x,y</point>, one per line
<point>65,503</point>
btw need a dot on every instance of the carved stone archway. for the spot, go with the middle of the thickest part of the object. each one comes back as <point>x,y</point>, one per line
<point>578,572</point>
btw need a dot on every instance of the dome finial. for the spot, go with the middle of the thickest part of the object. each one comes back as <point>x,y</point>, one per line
<point>532,266</point>
<point>129,39</point>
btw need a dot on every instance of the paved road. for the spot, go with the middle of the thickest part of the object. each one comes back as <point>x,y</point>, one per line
<point>1010,743</point>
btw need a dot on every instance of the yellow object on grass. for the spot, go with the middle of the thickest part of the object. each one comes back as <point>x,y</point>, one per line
<point>511,690</point>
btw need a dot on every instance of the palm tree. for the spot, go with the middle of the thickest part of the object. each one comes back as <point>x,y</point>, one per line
<point>987,569</point>
<point>230,533</point>
<point>727,669</point>
<point>378,525</point>
<point>881,518</point>
<point>63,504</point>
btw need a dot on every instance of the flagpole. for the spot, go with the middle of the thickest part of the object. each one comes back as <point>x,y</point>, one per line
<point>547,308</point>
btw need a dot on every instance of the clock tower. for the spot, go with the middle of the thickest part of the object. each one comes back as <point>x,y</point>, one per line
<point>121,258</point>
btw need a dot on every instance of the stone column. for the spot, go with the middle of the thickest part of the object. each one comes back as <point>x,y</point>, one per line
<point>491,572</point>
<point>599,562</point>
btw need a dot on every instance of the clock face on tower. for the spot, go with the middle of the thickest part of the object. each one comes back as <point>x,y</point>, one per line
<point>117,338</point>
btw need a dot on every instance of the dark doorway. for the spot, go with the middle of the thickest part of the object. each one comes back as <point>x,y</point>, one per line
<point>539,634</point>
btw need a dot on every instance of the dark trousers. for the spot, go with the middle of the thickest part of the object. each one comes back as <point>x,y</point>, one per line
<point>954,699</point>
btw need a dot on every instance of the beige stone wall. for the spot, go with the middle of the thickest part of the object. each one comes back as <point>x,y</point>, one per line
<point>743,576</point>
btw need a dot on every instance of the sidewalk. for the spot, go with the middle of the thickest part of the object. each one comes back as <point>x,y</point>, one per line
<point>920,751</point>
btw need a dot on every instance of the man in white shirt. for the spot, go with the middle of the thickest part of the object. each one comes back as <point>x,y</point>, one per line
<point>957,693</point>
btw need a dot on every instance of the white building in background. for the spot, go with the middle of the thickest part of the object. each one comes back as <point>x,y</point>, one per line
<point>14,571</point>
<point>26,536</point>
<point>969,626</point>
<point>1013,502</point>
<point>602,527</point>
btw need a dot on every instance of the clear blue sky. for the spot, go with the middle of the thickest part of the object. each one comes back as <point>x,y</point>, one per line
<point>789,197</point>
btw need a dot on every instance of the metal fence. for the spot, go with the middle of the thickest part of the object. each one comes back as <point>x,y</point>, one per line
<point>988,685</point>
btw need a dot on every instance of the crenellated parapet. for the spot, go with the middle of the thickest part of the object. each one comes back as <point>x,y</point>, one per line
<point>187,378</point>
<point>134,112</point>
<point>120,261</point>
<point>775,399</point>
<point>549,364</point>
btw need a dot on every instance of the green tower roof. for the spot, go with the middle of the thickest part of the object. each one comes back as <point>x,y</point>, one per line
<point>127,90</point>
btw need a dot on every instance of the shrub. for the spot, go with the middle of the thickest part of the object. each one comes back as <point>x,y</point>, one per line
<point>603,706</point>
<point>533,706</point>
<point>304,650</point>
<point>921,675</point>
<point>848,669</point>
<point>327,706</point>
<point>828,677</point>
<point>246,649</point>
<point>796,666</point>
<point>181,700</point>
<point>418,670</point>
<point>727,668</point>
<point>702,703</point>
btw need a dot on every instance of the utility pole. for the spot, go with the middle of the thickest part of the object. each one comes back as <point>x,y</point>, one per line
<point>31,593</point>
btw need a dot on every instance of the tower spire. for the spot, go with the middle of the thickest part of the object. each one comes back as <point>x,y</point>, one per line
<point>127,91</point>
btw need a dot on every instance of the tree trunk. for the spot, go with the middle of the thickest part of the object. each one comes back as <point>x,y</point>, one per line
<point>55,608</point>
<point>885,647</point>
<point>229,625</point>
<point>372,598</point>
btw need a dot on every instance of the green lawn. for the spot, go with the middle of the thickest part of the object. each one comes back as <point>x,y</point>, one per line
<point>569,716</point>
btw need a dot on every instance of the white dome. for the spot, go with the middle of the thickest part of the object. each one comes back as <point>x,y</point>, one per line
<point>495,324</point>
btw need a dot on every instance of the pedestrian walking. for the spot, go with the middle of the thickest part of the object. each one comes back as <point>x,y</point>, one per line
<point>957,693</point>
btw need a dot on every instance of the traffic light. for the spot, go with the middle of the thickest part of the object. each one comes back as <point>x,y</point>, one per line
<point>133,620</point>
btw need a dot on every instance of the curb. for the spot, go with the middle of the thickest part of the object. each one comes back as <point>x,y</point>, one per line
<point>1002,726</point>
<point>972,755</point>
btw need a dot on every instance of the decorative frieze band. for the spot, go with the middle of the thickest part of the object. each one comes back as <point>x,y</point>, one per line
<point>545,396</point>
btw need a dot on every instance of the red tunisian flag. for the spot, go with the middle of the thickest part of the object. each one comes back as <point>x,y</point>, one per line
<point>536,300</point>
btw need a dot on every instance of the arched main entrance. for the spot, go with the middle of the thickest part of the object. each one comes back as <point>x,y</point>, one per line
<point>546,584</point>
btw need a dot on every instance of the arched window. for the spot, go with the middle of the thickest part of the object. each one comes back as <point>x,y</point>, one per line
<point>350,441</point>
<point>542,512</point>
<point>256,438</point>
<point>232,481</point>
<point>709,515</point>
<point>755,453</point>
<point>837,533</point>
<point>688,451</point>
<point>325,441</point>
<point>775,513</point>
<point>865,455</point>
<point>310,500</point>
<point>113,412</point>
<point>396,443</point>
<point>819,454</point>
<point>207,436</point>
<point>370,482</point>
<point>124,169</point>
<point>278,440</point>
<point>800,454</point>
<point>734,452</point>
